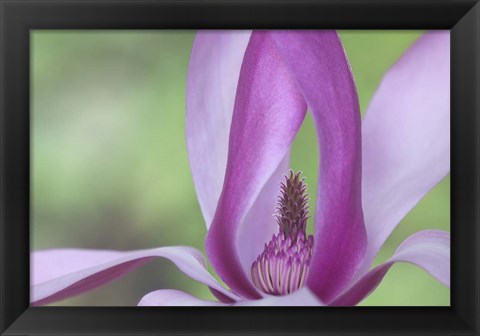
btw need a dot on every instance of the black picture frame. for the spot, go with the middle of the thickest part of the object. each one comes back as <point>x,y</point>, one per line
<point>18,17</point>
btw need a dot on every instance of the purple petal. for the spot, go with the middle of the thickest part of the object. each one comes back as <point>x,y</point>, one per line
<point>58,274</point>
<point>429,249</point>
<point>268,112</point>
<point>222,297</point>
<point>171,297</point>
<point>406,137</point>
<point>213,76</point>
<point>168,297</point>
<point>319,65</point>
<point>212,81</point>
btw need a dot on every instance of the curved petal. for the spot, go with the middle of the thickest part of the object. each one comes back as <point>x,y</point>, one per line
<point>213,76</point>
<point>267,114</point>
<point>301,298</point>
<point>58,274</point>
<point>172,297</point>
<point>169,297</point>
<point>319,65</point>
<point>429,249</point>
<point>406,137</point>
<point>259,224</point>
<point>211,84</point>
<point>221,297</point>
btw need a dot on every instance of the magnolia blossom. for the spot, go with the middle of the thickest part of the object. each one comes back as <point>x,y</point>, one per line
<point>247,96</point>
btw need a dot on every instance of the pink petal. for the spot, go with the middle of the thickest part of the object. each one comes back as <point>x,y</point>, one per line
<point>259,225</point>
<point>58,274</point>
<point>211,85</point>
<point>168,297</point>
<point>429,249</point>
<point>171,297</point>
<point>406,137</point>
<point>268,111</point>
<point>319,65</point>
<point>301,298</point>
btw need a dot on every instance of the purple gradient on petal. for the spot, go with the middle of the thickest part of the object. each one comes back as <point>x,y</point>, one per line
<point>220,296</point>
<point>212,80</point>
<point>58,274</point>
<point>318,63</point>
<point>267,115</point>
<point>90,282</point>
<point>211,86</point>
<point>429,249</point>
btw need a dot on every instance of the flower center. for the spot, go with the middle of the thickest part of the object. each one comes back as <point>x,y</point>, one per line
<point>282,267</point>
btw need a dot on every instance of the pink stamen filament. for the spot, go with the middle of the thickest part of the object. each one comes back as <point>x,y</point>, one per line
<point>282,267</point>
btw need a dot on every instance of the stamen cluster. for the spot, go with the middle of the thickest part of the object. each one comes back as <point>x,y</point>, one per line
<point>282,267</point>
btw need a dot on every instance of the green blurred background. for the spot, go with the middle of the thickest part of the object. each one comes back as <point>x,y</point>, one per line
<point>109,161</point>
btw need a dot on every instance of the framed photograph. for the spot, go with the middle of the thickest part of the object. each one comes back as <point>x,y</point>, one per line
<point>268,167</point>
